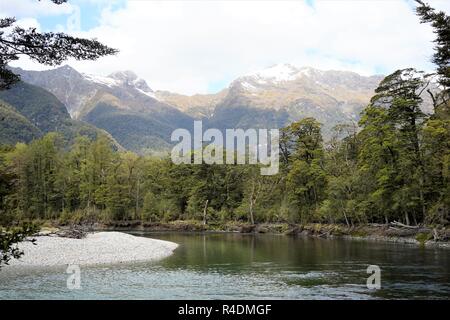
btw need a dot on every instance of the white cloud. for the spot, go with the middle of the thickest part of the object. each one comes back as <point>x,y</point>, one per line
<point>28,23</point>
<point>186,46</point>
<point>33,8</point>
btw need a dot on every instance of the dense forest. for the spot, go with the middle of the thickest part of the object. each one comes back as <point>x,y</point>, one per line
<point>392,165</point>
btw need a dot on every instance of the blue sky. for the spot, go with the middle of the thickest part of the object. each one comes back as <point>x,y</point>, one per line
<point>199,47</point>
<point>89,17</point>
<point>89,14</point>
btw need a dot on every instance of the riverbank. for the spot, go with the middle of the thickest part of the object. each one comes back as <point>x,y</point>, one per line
<point>93,248</point>
<point>430,236</point>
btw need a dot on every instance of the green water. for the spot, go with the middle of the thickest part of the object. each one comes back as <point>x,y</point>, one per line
<point>236,266</point>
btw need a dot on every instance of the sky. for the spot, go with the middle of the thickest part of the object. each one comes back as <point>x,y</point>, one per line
<point>201,46</point>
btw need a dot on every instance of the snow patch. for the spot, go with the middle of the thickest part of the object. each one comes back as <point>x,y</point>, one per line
<point>150,94</point>
<point>277,73</point>
<point>248,86</point>
<point>280,73</point>
<point>124,78</point>
<point>101,80</point>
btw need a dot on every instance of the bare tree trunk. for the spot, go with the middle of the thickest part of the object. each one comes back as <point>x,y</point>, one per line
<point>252,195</point>
<point>345,214</point>
<point>346,220</point>
<point>205,209</point>
<point>252,220</point>
<point>137,199</point>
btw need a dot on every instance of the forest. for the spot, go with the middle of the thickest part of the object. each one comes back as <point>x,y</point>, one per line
<point>391,165</point>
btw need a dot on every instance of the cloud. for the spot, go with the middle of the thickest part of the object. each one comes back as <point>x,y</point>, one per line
<point>188,46</point>
<point>33,8</point>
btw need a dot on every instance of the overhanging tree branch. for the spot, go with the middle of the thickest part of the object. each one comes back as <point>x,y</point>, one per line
<point>47,48</point>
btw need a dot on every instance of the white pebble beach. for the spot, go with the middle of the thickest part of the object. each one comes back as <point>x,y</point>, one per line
<point>95,248</point>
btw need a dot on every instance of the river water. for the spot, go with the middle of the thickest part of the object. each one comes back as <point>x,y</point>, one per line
<point>239,266</point>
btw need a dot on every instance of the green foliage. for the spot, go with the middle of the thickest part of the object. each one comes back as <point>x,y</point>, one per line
<point>441,26</point>
<point>137,131</point>
<point>306,178</point>
<point>395,166</point>
<point>423,237</point>
<point>28,112</point>
<point>14,127</point>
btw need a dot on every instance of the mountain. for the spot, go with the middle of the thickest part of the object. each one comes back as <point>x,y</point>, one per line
<point>120,103</point>
<point>198,105</point>
<point>280,94</point>
<point>142,120</point>
<point>14,127</point>
<point>28,112</point>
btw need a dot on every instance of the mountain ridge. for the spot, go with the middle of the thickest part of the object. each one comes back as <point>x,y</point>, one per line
<point>120,103</point>
<point>142,119</point>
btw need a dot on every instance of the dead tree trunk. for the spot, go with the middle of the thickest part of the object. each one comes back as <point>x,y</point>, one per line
<point>252,219</point>
<point>205,210</point>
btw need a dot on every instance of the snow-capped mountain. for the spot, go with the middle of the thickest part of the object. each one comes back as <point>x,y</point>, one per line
<point>282,93</point>
<point>141,119</point>
<point>75,89</point>
<point>279,86</point>
<point>120,103</point>
<point>122,79</point>
<point>277,73</point>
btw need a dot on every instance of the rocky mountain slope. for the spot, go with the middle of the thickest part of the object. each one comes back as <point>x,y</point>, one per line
<point>198,105</point>
<point>142,120</point>
<point>283,93</point>
<point>121,103</point>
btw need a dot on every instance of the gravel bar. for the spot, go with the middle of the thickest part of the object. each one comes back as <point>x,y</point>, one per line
<point>95,248</point>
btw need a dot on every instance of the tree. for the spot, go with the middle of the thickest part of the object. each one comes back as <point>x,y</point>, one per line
<point>441,25</point>
<point>7,178</point>
<point>341,166</point>
<point>436,149</point>
<point>260,192</point>
<point>47,48</point>
<point>36,167</point>
<point>133,170</point>
<point>306,178</point>
<point>9,237</point>
<point>209,190</point>
<point>392,150</point>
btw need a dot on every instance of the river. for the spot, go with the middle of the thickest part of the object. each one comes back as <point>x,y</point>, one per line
<point>240,266</point>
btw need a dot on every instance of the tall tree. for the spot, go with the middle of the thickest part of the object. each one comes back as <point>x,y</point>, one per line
<point>441,25</point>
<point>392,126</point>
<point>306,179</point>
<point>441,57</point>
<point>341,167</point>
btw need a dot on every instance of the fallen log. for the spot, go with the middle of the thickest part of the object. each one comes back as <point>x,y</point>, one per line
<point>401,225</point>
